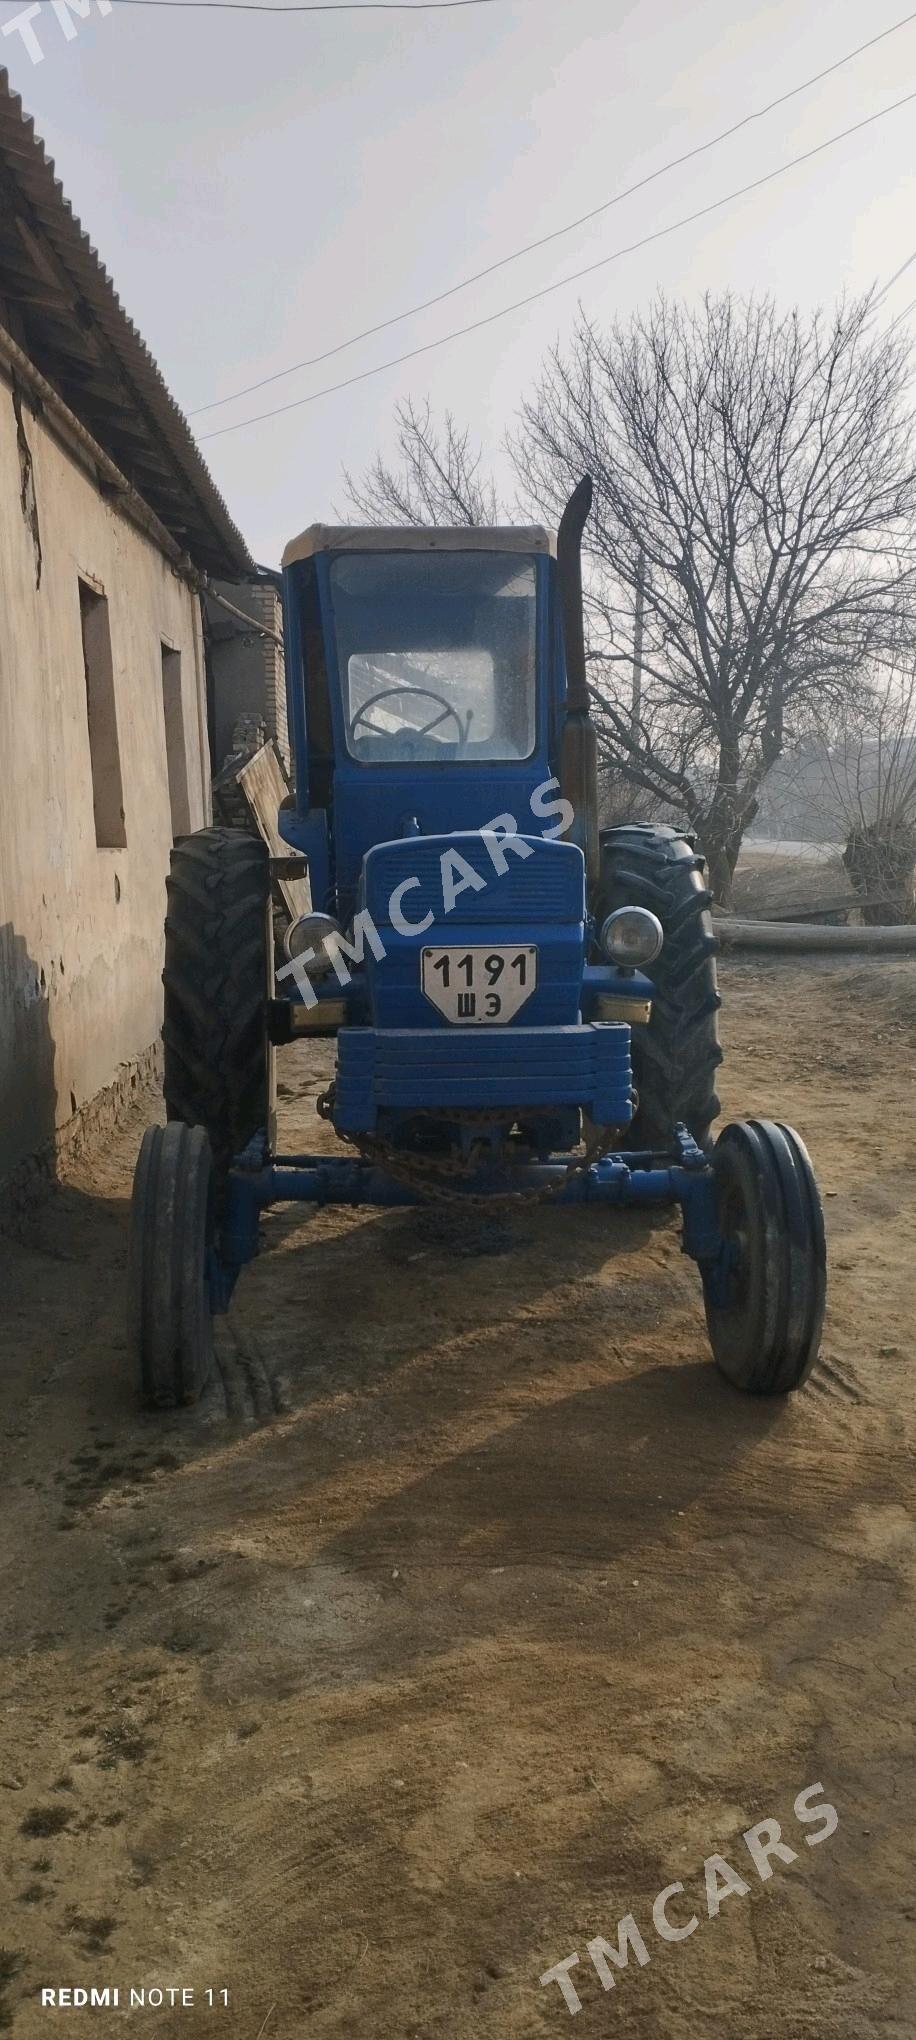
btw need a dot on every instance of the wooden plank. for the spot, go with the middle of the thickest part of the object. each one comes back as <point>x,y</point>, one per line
<point>825,909</point>
<point>264,787</point>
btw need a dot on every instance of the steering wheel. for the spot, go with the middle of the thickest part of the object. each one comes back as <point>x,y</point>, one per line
<point>386,694</point>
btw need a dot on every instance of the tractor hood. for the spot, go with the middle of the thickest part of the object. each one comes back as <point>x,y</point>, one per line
<point>475,890</point>
<point>474,877</point>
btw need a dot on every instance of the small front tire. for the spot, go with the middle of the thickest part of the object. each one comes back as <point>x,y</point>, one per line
<point>765,1302</point>
<point>171,1232</point>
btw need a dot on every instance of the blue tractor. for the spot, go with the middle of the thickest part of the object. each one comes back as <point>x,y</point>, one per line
<point>524,1005</point>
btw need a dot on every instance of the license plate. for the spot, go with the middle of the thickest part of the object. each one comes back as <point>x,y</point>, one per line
<point>480,985</point>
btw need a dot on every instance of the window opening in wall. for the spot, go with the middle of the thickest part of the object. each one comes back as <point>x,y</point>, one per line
<point>175,747</point>
<point>101,710</point>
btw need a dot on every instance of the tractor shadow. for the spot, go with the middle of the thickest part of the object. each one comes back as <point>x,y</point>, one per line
<point>586,1476</point>
<point>355,1301</point>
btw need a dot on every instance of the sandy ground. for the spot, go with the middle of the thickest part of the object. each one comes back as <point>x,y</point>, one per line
<point>472,1607</point>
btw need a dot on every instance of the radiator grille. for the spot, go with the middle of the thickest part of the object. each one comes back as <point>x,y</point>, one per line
<point>547,886</point>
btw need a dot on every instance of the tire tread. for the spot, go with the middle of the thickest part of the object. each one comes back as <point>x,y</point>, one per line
<point>675,1058</point>
<point>215,979</point>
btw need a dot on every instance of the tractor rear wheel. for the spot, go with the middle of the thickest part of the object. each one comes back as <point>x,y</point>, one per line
<point>218,1062</point>
<point>676,1056</point>
<point>171,1230</point>
<point>765,1307</point>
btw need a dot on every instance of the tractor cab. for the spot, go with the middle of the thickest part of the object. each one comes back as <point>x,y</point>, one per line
<point>426,678</point>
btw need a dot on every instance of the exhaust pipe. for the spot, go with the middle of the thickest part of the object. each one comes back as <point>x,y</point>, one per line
<point>579,746</point>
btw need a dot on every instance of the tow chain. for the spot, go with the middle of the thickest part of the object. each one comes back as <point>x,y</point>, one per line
<point>433,1180</point>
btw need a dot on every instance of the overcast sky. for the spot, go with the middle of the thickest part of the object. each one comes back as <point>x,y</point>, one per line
<point>262,189</point>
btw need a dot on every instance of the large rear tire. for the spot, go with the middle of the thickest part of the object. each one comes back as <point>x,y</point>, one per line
<point>168,1296</point>
<point>676,1056</point>
<point>218,1062</point>
<point>765,1309</point>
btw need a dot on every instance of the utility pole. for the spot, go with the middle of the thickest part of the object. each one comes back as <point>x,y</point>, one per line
<point>636,696</point>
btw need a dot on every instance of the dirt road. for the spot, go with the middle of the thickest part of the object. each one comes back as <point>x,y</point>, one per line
<point>473,1608</point>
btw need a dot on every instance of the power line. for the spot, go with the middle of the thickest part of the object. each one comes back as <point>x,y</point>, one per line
<point>907,309</point>
<point>313,360</point>
<point>893,279</point>
<point>659,234</point>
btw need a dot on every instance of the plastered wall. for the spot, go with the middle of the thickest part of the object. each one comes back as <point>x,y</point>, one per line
<point>80,926</point>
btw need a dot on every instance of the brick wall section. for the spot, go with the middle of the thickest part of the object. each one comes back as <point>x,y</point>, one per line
<point>248,671</point>
<point>269,612</point>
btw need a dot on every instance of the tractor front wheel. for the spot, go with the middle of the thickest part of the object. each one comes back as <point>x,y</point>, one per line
<point>171,1232</point>
<point>765,1298</point>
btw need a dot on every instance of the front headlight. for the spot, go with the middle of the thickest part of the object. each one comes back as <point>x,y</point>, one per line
<point>631,937</point>
<point>311,931</point>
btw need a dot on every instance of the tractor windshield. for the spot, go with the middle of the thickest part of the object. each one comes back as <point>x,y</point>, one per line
<point>436,654</point>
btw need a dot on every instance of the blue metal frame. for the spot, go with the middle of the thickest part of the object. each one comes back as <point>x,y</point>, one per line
<point>258,1181</point>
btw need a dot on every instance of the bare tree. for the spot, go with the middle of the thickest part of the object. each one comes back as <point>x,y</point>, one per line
<point>755,500</point>
<point>438,479</point>
<point>869,790</point>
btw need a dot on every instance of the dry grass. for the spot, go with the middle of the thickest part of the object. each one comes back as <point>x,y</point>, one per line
<point>767,883</point>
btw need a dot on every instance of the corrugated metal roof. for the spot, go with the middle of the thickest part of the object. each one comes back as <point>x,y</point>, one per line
<point>59,303</point>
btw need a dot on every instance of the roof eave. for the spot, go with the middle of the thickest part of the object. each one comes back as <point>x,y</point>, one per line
<point>200,521</point>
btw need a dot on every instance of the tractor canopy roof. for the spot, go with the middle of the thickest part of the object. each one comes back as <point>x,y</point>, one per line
<point>503,538</point>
